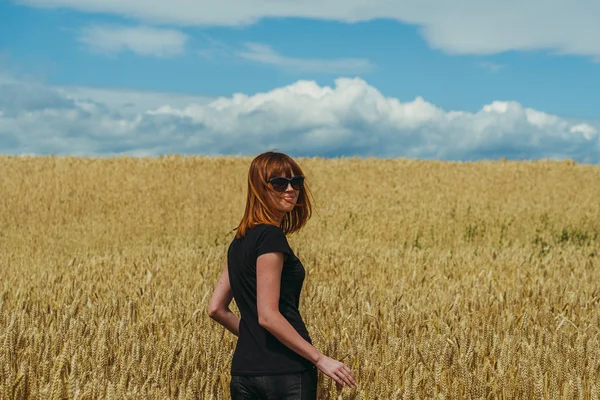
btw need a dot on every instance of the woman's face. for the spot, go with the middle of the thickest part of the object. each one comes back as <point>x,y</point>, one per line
<point>285,201</point>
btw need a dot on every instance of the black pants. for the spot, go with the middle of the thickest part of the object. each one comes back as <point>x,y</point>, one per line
<point>297,386</point>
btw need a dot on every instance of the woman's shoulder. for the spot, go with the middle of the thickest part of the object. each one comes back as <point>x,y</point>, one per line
<point>268,232</point>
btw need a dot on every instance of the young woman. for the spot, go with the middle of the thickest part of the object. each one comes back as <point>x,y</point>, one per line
<point>274,357</point>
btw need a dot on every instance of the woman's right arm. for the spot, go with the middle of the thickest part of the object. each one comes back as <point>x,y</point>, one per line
<point>268,281</point>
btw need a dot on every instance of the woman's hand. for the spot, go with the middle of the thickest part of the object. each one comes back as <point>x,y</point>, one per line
<point>336,370</point>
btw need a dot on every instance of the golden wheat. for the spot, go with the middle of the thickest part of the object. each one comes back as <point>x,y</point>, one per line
<point>429,279</point>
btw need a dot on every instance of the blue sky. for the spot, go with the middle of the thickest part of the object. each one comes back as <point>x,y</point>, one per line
<point>328,78</point>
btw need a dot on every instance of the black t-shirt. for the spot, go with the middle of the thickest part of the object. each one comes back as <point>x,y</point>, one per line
<point>258,352</point>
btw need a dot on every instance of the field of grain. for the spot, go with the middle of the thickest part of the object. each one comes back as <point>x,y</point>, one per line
<point>429,279</point>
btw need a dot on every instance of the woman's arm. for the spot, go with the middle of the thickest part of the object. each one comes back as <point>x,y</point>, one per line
<point>218,308</point>
<point>268,283</point>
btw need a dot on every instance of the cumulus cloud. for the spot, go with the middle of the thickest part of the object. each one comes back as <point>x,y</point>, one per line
<point>462,27</point>
<point>145,41</point>
<point>303,119</point>
<point>264,54</point>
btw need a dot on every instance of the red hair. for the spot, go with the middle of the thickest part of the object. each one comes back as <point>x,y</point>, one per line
<point>259,209</point>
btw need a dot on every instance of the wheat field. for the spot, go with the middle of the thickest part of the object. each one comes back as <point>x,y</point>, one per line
<point>430,280</point>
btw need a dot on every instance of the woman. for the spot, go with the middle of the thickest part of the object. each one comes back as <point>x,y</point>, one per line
<point>274,357</point>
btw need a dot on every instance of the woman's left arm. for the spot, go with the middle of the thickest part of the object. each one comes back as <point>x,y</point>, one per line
<point>218,308</point>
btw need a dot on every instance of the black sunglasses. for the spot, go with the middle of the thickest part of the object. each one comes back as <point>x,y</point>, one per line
<point>280,184</point>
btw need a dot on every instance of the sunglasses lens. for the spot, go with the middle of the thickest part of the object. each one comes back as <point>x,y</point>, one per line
<point>279,184</point>
<point>297,182</point>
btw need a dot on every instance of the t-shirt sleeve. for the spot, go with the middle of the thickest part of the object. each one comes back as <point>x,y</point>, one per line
<point>272,240</point>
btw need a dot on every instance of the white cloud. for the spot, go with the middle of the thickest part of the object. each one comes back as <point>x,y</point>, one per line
<point>462,26</point>
<point>128,101</point>
<point>587,130</point>
<point>264,54</point>
<point>145,41</point>
<point>349,118</point>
